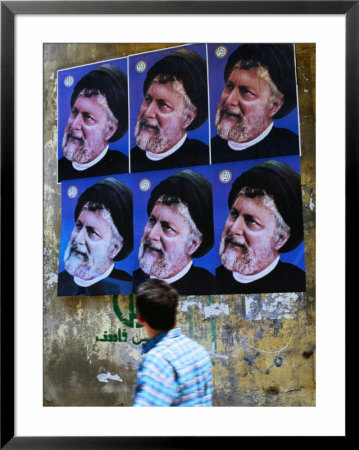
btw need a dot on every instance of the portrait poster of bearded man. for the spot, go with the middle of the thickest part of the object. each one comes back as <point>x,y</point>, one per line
<point>248,227</point>
<point>169,108</point>
<point>93,120</point>
<point>174,229</point>
<point>96,245</point>
<point>253,101</point>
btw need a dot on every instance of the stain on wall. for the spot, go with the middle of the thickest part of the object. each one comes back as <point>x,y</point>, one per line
<point>262,346</point>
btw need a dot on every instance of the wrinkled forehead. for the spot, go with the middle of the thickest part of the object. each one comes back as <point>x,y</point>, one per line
<point>92,205</point>
<point>97,95</point>
<point>164,84</point>
<point>92,105</point>
<point>172,204</point>
<point>255,69</point>
<point>173,210</point>
<point>94,218</point>
<point>96,212</point>
<point>259,198</point>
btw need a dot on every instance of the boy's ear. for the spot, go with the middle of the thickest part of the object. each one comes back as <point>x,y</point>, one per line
<point>140,319</point>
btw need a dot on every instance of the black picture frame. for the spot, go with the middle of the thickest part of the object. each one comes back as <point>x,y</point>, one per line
<point>9,10</point>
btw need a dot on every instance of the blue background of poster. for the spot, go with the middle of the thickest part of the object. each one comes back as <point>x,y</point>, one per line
<point>220,202</point>
<point>141,198</point>
<point>136,81</point>
<point>64,97</point>
<point>220,190</point>
<point>68,220</point>
<point>216,84</point>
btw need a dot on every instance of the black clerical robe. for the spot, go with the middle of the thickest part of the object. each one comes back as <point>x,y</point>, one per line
<point>285,277</point>
<point>113,162</point>
<point>118,282</point>
<point>192,153</point>
<point>197,281</point>
<point>279,142</point>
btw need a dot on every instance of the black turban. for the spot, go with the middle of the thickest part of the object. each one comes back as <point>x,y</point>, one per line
<point>195,191</point>
<point>278,59</point>
<point>282,183</point>
<point>111,82</point>
<point>116,197</point>
<point>190,69</point>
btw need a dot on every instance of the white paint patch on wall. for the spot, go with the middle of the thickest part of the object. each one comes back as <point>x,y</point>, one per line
<point>217,355</point>
<point>311,203</point>
<point>186,303</point>
<point>215,310</point>
<point>282,306</point>
<point>275,306</point>
<point>51,279</point>
<point>252,308</point>
<point>104,377</point>
<point>87,355</point>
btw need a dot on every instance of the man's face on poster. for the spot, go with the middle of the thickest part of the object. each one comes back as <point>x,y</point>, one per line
<point>87,131</point>
<point>167,244</point>
<point>246,106</point>
<point>250,240</point>
<point>163,118</point>
<point>92,246</point>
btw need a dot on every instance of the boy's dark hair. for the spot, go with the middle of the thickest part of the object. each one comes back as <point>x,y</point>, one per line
<point>156,303</point>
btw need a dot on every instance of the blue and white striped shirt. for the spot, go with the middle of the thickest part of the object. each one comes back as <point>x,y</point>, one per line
<point>175,371</point>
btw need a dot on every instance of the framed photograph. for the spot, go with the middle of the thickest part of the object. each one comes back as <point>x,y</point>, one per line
<point>62,385</point>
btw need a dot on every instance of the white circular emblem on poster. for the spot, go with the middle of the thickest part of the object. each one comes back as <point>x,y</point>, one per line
<point>221,51</point>
<point>69,81</point>
<point>72,191</point>
<point>141,66</point>
<point>225,176</point>
<point>145,184</point>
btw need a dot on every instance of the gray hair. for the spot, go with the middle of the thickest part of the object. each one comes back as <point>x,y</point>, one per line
<point>179,88</point>
<point>101,99</point>
<point>269,203</point>
<point>182,209</point>
<point>265,75</point>
<point>106,215</point>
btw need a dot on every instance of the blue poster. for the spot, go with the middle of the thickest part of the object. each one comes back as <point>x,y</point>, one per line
<point>195,177</point>
<point>93,120</point>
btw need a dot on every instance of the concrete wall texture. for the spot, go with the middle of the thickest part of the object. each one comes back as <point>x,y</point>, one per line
<point>262,346</point>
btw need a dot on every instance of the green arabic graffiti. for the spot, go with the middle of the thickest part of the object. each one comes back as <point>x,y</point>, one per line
<point>131,322</point>
<point>120,336</point>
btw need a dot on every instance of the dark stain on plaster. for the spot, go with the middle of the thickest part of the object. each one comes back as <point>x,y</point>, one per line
<point>278,361</point>
<point>276,325</point>
<point>272,390</point>
<point>259,334</point>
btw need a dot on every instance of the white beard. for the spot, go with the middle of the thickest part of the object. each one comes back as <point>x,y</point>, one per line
<point>165,266</point>
<point>159,142</point>
<point>244,131</point>
<point>79,152</point>
<point>251,261</point>
<point>83,265</point>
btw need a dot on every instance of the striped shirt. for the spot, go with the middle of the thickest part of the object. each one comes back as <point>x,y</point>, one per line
<point>175,371</point>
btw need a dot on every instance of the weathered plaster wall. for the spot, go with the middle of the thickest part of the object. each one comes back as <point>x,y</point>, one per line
<point>262,346</point>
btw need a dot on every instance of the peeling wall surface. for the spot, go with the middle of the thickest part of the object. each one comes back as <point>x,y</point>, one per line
<point>262,345</point>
